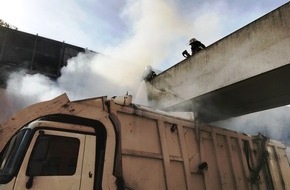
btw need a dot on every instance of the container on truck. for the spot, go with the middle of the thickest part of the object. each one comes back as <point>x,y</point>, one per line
<point>103,143</point>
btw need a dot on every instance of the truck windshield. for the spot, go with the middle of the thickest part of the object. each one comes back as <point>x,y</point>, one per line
<point>12,155</point>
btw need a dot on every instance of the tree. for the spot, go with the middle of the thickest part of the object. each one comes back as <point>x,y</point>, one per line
<point>7,25</point>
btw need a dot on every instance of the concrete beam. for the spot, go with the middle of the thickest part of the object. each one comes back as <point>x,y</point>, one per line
<point>244,72</point>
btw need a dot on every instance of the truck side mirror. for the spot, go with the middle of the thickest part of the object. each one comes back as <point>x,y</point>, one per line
<point>29,183</point>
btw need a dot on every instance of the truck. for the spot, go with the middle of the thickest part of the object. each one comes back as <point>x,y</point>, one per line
<point>111,143</point>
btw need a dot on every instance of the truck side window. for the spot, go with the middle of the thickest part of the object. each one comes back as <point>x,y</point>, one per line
<point>53,156</point>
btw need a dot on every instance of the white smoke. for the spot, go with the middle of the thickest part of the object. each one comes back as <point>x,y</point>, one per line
<point>273,123</point>
<point>155,27</point>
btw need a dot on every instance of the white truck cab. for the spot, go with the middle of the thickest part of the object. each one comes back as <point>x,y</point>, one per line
<point>58,155</point>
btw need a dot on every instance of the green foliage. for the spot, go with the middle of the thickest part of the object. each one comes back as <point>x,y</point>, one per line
<point>7,25</point>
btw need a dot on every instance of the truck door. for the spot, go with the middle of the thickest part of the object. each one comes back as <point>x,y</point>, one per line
<point>55,160</point>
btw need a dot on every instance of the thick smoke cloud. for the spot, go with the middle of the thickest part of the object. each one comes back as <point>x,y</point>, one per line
<point>273,123</point>
<point>154,27</point>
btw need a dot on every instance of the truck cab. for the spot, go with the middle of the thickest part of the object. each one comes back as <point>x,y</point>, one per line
<point>53,155</point>
<point>59,151</point>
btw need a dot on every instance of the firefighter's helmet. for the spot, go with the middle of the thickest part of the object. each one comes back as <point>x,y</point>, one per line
<point>191,41</point>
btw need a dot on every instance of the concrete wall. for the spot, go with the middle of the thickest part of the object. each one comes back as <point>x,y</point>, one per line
<point>261,46</point>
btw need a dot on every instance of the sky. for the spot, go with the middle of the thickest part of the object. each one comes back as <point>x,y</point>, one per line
<point>130,35</point>
<point>101,25</point>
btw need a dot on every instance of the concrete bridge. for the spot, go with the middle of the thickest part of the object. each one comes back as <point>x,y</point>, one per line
<point>245,72</point>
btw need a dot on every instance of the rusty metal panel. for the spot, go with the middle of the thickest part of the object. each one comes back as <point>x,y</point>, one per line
<point>194,157</point>
<point>278,165</point>
<point>172,140</point>
<point>143,172</point>
<point>179,177</point>
<point>140,134</point>
<point>239,166</point>
<point>208,154</point>
<point>180,146</point>
<point>274,167</point>
<point>224,161</point>
<point>284,166</point>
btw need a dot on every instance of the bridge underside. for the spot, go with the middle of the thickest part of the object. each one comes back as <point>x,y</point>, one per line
<point>265,91</point>
<point>245,72</point>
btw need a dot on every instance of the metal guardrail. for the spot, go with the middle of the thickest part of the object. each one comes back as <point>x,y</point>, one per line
<point>33,53</point>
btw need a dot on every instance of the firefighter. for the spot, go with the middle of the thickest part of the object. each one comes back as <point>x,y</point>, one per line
<point>148,74</point>
<point>196,46</point>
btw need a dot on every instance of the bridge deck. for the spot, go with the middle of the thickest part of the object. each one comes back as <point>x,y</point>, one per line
<point>247,71</point>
